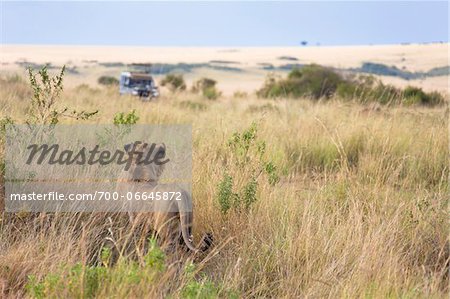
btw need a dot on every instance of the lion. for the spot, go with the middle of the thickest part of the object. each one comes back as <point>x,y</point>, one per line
<point>170,221</point>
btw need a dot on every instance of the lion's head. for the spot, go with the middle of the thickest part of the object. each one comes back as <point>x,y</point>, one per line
<point>147,160</point>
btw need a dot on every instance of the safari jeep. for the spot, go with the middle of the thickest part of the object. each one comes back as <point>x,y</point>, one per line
<point>139,84</point>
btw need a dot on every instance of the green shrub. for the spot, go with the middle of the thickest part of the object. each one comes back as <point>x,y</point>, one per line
<point>124,122</point>
<point>320,82</point>
<point>207,87</point>
<point>272,88</point>
<point>311,80</point>
<point>130,118</point>
<point>347,90</point>
<point>248,159</point>
<point>46,94</point>
<point>226,197</point>
<point>415,95</point>
<point>175,82</point>
<point>203,84</point>
<point>4,122</point>
<point>202,287</point>
<point>211,93</point>
<point>108,80</point>
<point>78,281</point>
<point>315,80</point>
<point>81,281</point>
<point>249,193</point>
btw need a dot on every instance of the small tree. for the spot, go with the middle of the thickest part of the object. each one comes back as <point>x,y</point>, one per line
<point>43,108</point>
<point>249,163</point>
<point>46,94</point>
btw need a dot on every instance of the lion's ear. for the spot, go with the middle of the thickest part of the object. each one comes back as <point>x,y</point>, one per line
<point>127,147</point>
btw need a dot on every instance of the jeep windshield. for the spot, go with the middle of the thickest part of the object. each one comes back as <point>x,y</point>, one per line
<point>130,82</point>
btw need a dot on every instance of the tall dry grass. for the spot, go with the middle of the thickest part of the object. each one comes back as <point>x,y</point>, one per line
<point>360,210</point>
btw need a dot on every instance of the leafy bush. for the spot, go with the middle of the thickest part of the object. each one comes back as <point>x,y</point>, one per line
<point>108,80</point>
<point>272,88</point>
<point>312,80</point>
<point>319,82</point>
<point>415,95</point>
<point>207,87</point>
<point>123,122</point>
<point>202,287</point>
<point>80,281</point>
<point>211,93</point>
<point>43,109</point>
<point>248,158</point>
<point>375,91</point>
<point>203,84</point>
<point>174,82</point>
<point>46,93</point>
<point>226,197</point>
<point>126,119</point>
<point>3,123</point>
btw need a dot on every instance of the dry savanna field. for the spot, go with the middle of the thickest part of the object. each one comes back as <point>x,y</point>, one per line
<point>350,200</point>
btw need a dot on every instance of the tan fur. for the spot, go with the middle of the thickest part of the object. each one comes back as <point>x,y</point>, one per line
<point>171,221</point>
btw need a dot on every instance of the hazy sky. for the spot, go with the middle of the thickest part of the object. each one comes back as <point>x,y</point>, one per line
<point>223,23</point>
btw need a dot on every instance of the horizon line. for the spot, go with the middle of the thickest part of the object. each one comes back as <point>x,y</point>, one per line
<point>227,46</point>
